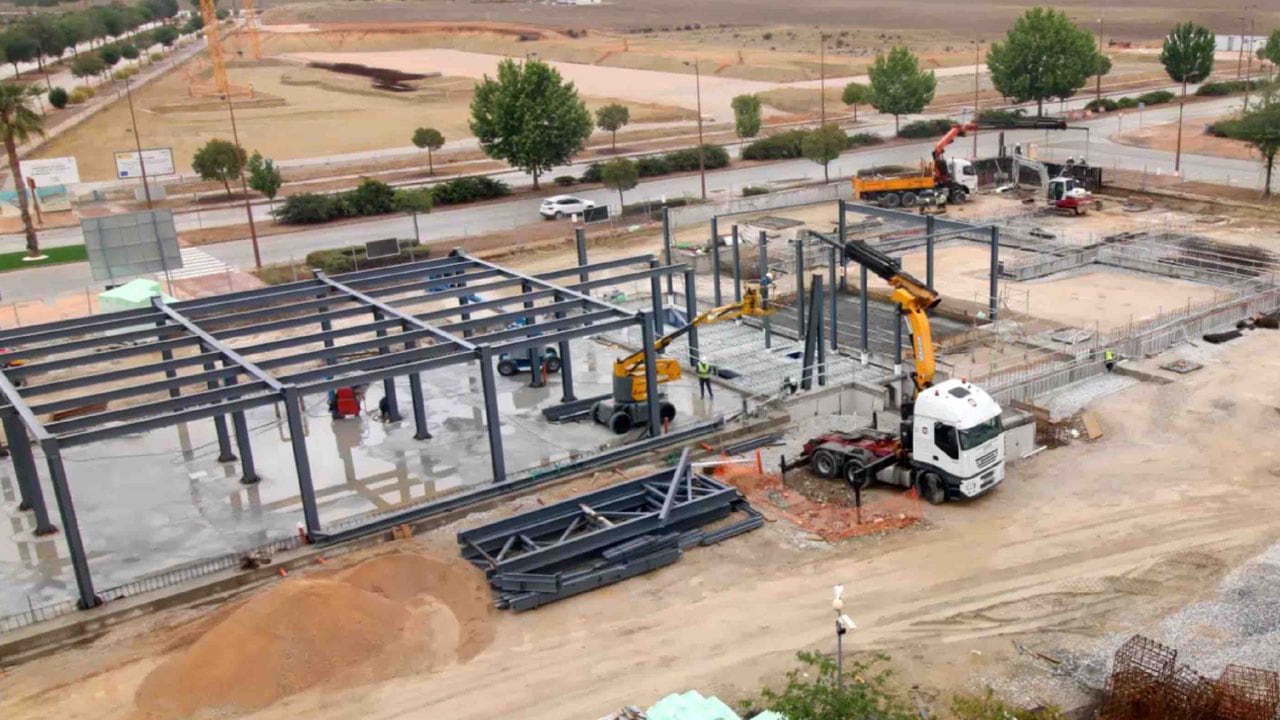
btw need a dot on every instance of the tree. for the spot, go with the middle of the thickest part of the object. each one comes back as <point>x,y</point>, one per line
<point>58,98</point>
<point>898,85</point>
<point>18,122</point>
<point>264,177</point>
<point>219,160</point>
<point>611,118</point>
<point>1270,50</point>
<point>1260,127</point>
<point>87,66</point>
<point>166,35</point>
<point>619,174</point>
<point>1187,57</point>
<point>1044,56</point>
<point>17,47</point>
<point>129,51</point>
<point>46,35</point>
<point>413,200</point>
<point>856,94</point>
<point>75,29</point>
<point>529,117</point>
<point>431,139</point>
<point>746,116</point>
<point>824,145</point>
<point>815,692</point>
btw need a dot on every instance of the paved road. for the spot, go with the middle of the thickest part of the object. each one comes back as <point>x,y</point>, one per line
<point>444,224</point>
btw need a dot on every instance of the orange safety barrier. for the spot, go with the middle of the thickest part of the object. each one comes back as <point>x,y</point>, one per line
<point>830,521</point>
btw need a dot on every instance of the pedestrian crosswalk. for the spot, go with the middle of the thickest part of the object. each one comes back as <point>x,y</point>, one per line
<point>197,263</point>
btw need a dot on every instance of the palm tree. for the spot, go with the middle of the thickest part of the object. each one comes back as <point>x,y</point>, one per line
<point>17,123</point>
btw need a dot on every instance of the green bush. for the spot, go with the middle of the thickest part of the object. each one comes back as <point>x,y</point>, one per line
<point>468,189</point>
<point>1226,87</point>
<point>1126,103</point>
<point>864,139</point>
<point>1001,118</point>
<point>716,157</point>
<point>156,56</point>
<point>371,197</point>
<point>925,128</point>
<point>652,165</point>
<point>751,190</point>
<point>306,208</point>
<point>1102,105</point>
<point>58,98</point>
<point>1156,97</point>
<point>566,180</point>
<point>783,146</point>
<point>1230,128</point>
<point>341,260</point>
<point>80,94</point>
<point>593,174</point>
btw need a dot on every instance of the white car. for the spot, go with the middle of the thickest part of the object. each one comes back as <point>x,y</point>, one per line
<point>559,206</point>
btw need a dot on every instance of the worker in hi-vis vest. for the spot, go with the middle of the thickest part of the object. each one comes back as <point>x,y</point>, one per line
<point>704,380</point>
<point>1109,360</point>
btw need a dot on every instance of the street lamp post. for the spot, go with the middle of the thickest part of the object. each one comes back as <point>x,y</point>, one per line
<point>843,625</point>
<point>1248,66</point>
<point>137,143</point>
<point>244,186</point>
<point>822,75</point>
<point>1098,88</point>
<point>702,164</point>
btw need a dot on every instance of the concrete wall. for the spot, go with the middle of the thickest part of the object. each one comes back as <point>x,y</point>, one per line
<point>694,214</point>
<point>853,399</point>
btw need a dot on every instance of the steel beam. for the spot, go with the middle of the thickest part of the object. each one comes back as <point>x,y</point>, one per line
<point>203,378</point>
<point>335,353</point>
<point>14,400</point>
<point>387,309</point>
<point>70,526</point>
<point>31,495</point>
<point>323,381</point>
<point>79,361</point>
<point>213,343</point>
<point>159,407</point>
<point>591,330</point>
<point>371,368</point>
<point>737,267</point>
<point>84,437</point>
<point>655,290</point>
<point>28,352</point>
<point>492,418</point>
<point>907,217</point>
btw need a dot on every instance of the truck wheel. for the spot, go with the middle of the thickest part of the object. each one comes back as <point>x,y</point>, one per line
<point>824,464</point>
<point>552,364</point>
<point>909,199</point>
<point>959,196</point>
<point>667,411</point>
<point>506,368</point>
<point>931,488</point>
<point>853,466</point>
<point>891,200</point>
<point>620,423</point>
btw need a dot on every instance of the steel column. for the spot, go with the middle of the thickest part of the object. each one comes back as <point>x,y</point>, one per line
<point>691,309</point>
<point>419,404</point>
<point>844,230</point>
<point>249,472</point>
<point>493,422</point>
<point>167,355</point>
<point>862,298</point>
<point>535,352</point>
<point>650,374</point>
<point>24,467</point>
<point>715,262</point>
<point>301,462</point>
<point>930,230</point>
<point>580,239</point>
<point>737,268</point>
<point>801,328</point>
<point>816,311</point>
<point>220,427</point>
<point>995,268</point>
<point>70,527</point>
<point>655,287</point>
<point>666,247</point>
<point>762,252</point>
<point>831,258</point>
<point>566,362</point>
<point>388,384</point>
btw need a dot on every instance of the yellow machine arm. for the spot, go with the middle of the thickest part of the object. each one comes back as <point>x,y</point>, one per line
<point>913,299</point>
<point>667,369</point>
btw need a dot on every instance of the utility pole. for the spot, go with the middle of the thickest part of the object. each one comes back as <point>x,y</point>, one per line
<point>822,74</point>
<point>244,186</point>
<point>137,143</point>
<point>1098,91</point>
<point>977,67</point>
<point>702,164</point>
<point>1248,67</point>
<point>1240,60</point>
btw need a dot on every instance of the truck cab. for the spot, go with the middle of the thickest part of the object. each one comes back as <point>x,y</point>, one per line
<point>964,179</point>
<point>957,443</point>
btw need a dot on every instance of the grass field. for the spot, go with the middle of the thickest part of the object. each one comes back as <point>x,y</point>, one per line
<point>57,256</point>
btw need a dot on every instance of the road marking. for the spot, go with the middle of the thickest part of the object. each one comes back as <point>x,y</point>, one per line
<point>197,263</point>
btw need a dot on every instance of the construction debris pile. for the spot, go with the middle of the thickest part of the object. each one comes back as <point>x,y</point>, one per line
<point>1147,683</point>
<point>605,536</point>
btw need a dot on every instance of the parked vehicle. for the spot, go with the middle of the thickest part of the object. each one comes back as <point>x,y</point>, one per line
<point>561,206</point>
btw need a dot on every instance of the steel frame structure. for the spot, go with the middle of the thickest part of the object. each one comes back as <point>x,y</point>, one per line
<point>228,354</point>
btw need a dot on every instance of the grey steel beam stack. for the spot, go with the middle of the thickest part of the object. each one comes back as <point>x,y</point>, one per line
<point>603,536</point>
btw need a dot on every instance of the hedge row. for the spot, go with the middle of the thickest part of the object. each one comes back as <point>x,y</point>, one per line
<point>925,128</point>
<point>1226,87</point>
<point>373,197</point>
<point>1155,97</point>
<point>714,158</point>
<point>347,259</point>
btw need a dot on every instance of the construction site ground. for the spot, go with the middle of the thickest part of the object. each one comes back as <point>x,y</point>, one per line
<point>1079,547</point>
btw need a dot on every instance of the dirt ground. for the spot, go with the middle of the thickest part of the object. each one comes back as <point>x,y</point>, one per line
<point>1078,543</point>
<point>1195,141</point>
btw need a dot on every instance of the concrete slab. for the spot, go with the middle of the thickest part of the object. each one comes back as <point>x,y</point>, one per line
<point>161,499</point>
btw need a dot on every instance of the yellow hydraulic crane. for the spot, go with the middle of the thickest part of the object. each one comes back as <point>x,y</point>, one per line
<point>213,34</point>
<point>250,13</point>
<point>625,408</point>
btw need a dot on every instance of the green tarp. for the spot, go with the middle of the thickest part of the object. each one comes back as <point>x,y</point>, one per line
<point>133,294</point>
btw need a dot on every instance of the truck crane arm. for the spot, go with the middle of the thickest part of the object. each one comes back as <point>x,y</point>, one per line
<point>633,364</point>
<point>1037,123</point>
<point>912,297</point>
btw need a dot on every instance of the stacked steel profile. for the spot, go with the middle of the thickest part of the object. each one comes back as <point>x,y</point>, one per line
<point>1148,684</point>
<point>604,536</point>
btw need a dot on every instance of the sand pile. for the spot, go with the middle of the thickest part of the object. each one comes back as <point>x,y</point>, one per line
<point>389,616</point>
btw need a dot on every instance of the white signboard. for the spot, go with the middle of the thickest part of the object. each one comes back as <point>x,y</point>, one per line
<point>159,162</point>
<point>51,171</point>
